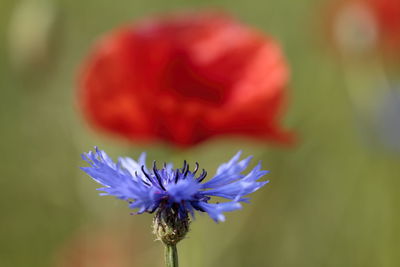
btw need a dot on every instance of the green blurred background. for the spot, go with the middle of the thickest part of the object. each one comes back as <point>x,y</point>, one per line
<point>333,199</point>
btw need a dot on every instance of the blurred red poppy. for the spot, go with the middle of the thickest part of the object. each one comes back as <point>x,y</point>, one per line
<point>361,26</point>
<point>387,13</point>
<point>186,78</point>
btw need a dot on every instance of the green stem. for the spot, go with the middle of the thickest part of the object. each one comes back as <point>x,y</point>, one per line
<point>171,256</point>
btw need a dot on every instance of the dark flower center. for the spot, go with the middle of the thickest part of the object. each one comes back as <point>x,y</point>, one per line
<point>158,177</point>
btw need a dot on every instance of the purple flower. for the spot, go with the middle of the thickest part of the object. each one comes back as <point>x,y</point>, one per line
<point>182,189</point>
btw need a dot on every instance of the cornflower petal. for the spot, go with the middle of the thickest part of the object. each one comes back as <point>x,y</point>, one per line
<point>215,211</point>
<point>229,172</point>
<point>180,190</point>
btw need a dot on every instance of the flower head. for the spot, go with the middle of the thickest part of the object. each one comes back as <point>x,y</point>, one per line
<point>180,191</point>
<point>186,78</point>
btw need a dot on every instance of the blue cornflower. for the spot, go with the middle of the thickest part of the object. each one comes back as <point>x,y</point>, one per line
<point>180,190</point>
